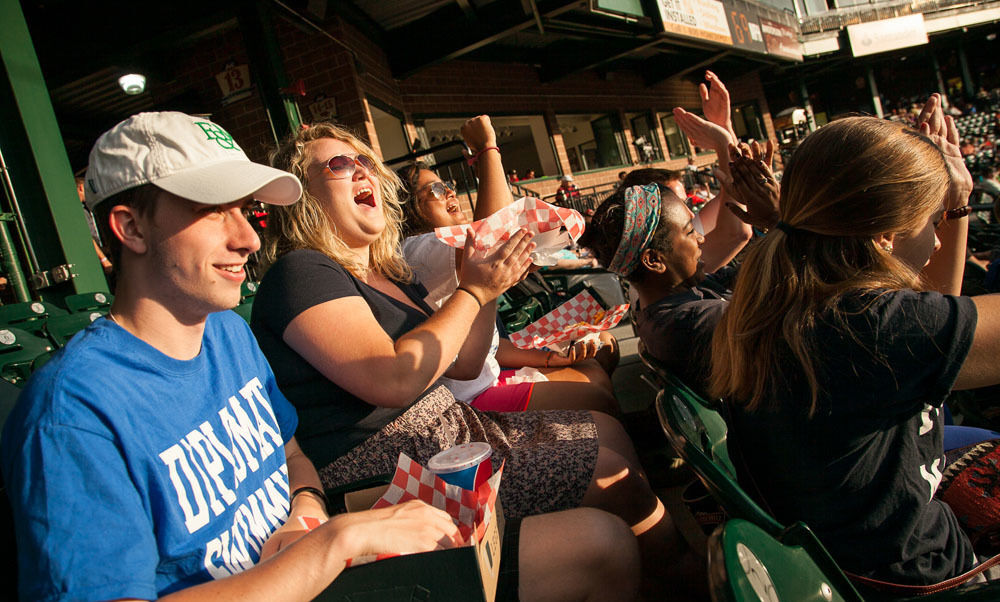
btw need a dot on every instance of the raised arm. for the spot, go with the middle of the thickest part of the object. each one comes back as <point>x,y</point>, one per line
<point>493,195</point>
<point>730,234</point>
<point>753,185</point>
<point>494,192</point>
<point>715,104</point>
<point>980,366</point>
<point>343,340</point>
<point>947,266</point>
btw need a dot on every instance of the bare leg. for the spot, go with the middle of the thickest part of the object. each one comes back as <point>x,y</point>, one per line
<point>620,487</point>
<point>588,371</point>
<point>580,554</point>
<point>554,395</point>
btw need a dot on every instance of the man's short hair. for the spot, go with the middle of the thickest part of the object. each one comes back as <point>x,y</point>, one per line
<point>142,198</point>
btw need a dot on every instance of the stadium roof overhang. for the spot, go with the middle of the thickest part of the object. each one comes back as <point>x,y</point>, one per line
<point>84,46</point>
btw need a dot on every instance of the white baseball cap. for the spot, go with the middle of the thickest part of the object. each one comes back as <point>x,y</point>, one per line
<point>184,155</point>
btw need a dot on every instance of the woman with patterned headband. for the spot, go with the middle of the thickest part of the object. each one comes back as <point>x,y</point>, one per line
<point>647,235</point>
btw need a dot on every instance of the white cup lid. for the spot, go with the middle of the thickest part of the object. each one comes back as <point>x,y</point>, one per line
<point>460,457</point>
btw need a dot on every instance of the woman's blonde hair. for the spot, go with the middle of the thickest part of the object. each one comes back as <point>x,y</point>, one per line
<point>848,182</point>
<point>305,225</point>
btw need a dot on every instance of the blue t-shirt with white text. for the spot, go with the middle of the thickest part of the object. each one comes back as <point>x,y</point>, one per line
<point>132,474</point>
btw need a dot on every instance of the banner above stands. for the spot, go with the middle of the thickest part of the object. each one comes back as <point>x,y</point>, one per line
<point>781,40</point>
<point>732,23</point>
<point>744,24</point>
<point>887,34</point>
<point>699,19</point>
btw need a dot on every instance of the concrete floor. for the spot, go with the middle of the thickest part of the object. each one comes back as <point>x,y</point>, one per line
<point>634,394</point>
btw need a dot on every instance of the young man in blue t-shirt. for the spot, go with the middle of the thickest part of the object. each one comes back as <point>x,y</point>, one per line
<point>154,455</point>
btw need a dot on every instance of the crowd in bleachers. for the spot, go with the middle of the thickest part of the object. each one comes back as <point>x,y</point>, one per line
<point>830,348</point>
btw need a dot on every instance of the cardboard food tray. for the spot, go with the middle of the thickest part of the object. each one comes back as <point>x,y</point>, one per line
<point>467,573</point>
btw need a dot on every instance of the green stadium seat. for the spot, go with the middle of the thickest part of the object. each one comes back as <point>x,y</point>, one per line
<point>60,329</point>
<point>698,434</point>
<point>515,320</point>
<point>503,304</point>
<point>29,315</point>
<point>748,564</point>
<point>248,289</point>
<point>533,306</point>
<point>244,309</point>
<point>89,302</point>
<point>19,351</point>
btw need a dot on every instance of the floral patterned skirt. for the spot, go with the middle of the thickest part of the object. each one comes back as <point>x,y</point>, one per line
<point>550,455</point>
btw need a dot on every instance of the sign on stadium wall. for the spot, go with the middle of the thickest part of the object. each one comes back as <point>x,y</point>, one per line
<point>781,40</point>
<point>886,35</point>
<point>744,25</point>
<point>701,19</point>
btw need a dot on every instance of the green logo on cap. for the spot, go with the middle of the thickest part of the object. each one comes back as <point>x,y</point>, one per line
<point>215,132</point>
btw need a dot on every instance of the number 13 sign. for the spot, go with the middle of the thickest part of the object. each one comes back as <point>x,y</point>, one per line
<point>235,82</point>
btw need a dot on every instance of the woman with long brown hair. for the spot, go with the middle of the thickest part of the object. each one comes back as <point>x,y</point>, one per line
<point>843,337</point>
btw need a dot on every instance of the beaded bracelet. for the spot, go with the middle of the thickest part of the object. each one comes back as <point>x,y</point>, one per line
<point>958,212</point>
<point>472,160</point>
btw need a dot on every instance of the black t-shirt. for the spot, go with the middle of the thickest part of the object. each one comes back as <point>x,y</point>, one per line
<point>677,329</point>
<point>331,420</point>
<point>862,472</point>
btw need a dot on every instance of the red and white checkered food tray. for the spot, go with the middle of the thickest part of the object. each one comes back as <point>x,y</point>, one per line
<point>472,511</point>
<point>571,321</point>
<point>528,212</point>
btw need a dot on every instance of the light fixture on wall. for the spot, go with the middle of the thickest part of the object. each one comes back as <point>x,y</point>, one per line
<point>133,83</point>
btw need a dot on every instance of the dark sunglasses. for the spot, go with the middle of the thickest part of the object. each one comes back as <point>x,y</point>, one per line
<point>440,190</point>
<point>344,166</point>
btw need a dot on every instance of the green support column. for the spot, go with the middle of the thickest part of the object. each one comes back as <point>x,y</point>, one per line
<point>267,66</point>
<point>39,170</point>
<point>968,86</point>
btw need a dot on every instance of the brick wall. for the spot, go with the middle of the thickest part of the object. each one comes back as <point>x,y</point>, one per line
<point>194,81</point>
<point>355,69</point>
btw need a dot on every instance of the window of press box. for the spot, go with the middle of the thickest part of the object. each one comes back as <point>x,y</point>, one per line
<point>645,138</point>
<point>677,142</point>
<point>593,140</point>
<point>391,133</point>
<point>747,122</point>
<point>523,140</point>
